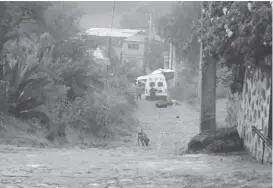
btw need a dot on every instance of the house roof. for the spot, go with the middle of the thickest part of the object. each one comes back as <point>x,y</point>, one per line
<point>162,70</point>
<point>136,38</point>
<point>114,32</point>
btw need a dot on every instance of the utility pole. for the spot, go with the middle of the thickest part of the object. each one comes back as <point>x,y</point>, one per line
<point>207,88</point>
<point>110,43</point>
<point>170,55</point>
<point>201,51</point>
<point>175,65</point>
<point>150,27</point>
<point>145,59</point>
<point>148,43</point>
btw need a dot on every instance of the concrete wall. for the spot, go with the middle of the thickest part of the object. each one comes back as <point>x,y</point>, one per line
<point>254,111</point>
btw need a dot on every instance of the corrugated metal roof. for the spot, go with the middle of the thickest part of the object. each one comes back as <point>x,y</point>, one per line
<point>114,32</point>
<point>162,70</point>
<point>136,38</point>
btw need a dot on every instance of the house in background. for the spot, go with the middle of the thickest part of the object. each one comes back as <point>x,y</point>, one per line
<point>133,50</point>
<point>117,37</point>
<point>129,45</point>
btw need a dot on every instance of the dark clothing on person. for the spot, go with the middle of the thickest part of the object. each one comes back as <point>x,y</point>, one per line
<point>138,92</point>
<point>138,97</point>
<point>152,93</point>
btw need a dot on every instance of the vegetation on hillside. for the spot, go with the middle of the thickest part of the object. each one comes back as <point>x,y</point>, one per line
<point>237,34</point>
<point>176,28</point>
<point>47,73</point>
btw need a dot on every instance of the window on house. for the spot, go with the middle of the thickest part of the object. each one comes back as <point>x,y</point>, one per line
<point>160,84</point>
<point>133,46</point>
<point>152,84</point>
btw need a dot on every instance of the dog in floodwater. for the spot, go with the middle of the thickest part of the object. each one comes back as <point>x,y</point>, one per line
<point>142,138</point>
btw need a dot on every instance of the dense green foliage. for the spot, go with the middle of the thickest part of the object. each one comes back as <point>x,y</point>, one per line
<point>48,72</point>
<point>237,34</point>
<point>176,27</point>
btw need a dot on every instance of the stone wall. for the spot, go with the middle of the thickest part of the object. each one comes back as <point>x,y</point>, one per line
<point>254,111</point>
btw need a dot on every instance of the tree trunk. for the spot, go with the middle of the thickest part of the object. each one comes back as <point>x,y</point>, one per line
<point>208,96</point>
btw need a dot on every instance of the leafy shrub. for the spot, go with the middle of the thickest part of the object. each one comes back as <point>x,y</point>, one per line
<point>99,113</point>
<point>44,76</point>
<point>233,109</point>
<point>98,110</point>
<point>186,87</point>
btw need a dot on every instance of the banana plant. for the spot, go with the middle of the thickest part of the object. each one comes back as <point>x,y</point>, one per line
<point>26,89</point>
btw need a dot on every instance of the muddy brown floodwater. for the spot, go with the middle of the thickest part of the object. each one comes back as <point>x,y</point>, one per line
<point>132,166</point>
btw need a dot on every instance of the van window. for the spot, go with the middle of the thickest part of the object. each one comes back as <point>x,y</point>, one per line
<point>152,84</point>
<point>160,84</point>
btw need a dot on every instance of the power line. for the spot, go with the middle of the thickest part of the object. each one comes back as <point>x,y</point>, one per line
<point>110,39</point>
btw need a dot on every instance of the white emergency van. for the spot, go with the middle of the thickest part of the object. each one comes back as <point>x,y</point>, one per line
<point>157,81</point>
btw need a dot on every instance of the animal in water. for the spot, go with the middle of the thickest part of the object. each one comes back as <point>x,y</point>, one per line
<point>142,138</point>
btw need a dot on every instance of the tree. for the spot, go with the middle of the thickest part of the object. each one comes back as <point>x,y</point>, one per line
<point>176,28</point>
<point>30,77</point>
<point>15,13</point>
<point>156,59</point>
<point>239,35</point>
<point>47,72</point>
<point>27,85</point>
<point>22,18</point>
<point>17,17</point>
<point>61,24</point>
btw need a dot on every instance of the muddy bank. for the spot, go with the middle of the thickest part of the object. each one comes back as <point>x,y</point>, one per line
<point>222,140</point>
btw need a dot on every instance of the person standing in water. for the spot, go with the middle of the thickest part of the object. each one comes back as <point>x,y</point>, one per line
<point>152,93</point>
<point>138,91</point>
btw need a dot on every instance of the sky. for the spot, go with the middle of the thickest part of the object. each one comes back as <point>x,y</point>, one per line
<point>99,13</point>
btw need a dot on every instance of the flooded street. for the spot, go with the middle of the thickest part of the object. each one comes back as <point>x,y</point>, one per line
<point>132,166</point>
<point>74,76</point>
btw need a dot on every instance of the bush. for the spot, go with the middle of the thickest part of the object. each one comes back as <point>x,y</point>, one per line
<point>102,114</point>
<point>25,85</point>
<point>233,109</point>
<point>186,87</point>
<point>78,98</point>
<point>59,80</point>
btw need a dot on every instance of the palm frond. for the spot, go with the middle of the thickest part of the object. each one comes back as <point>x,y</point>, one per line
<point>35,88</point>
<point>29,104</point>
<point>17,73</point>
<point>28,72</point>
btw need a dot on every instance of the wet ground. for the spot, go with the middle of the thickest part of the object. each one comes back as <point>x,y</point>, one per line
<point>157,166</point>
